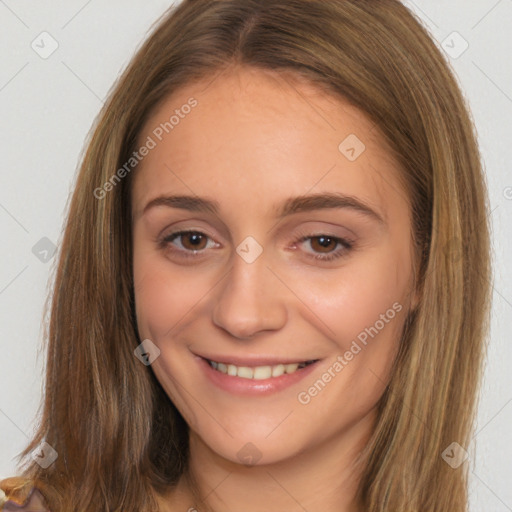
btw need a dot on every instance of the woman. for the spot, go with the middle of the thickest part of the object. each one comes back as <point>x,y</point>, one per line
<point>273,289</point>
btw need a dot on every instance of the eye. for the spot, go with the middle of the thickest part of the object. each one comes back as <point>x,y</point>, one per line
<point>324,246</point>
<point>190,242</point>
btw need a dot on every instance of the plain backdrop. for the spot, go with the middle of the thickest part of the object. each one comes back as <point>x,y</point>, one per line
<point>47,106</point>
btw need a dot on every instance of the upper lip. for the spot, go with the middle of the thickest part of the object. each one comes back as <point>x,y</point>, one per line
<point>256,360</point>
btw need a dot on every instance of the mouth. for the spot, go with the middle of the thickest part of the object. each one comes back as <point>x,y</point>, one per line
<point>259,372</point>
<point>254,375</point>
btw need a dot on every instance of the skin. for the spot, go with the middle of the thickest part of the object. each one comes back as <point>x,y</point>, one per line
<point>255,139</point>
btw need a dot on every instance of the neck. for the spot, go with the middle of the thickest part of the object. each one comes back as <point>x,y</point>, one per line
<point>323,477</point>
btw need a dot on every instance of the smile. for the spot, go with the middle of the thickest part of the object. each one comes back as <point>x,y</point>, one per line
<point>258,372</point>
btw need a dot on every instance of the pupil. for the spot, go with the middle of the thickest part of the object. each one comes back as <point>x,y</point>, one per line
<point>325,241</point>
<point>195,239</point>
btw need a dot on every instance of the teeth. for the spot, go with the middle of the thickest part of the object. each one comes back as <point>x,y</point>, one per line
<point>278,370</point>
<point>245,372</point>
<point>290,368</point>
<point>258,372</point>
<point>262,372</point>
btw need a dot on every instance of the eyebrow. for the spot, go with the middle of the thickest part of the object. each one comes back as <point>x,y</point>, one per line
<point>292,205</point>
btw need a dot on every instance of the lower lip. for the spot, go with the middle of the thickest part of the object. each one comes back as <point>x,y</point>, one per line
<point>241,386</point>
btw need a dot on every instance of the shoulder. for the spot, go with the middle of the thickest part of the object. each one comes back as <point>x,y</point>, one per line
<point>18,494</point>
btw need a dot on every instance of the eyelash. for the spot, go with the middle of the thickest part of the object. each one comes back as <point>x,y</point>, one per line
<point>347,245</point>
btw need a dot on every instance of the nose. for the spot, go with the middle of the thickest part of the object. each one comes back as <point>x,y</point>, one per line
<point>250,300</point>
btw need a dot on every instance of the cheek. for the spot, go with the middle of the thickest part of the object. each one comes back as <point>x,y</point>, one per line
<point>354,297</point>
<point>162,297</point>
<point>361,309</point>
<point>362,312</point>
<point>180,397</point>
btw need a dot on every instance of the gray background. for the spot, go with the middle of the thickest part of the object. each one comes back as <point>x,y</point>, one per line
<point>47,106</point>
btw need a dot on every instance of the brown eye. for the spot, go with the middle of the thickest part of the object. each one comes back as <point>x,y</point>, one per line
<point>323,244</point>
<point>326,247</point>
<point>186,243</point>
<point>193,241</point>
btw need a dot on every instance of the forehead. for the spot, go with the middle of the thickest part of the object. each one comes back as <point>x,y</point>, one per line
<point>259,133</point>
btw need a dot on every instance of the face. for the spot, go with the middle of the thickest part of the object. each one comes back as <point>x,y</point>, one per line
<point>270,230</point>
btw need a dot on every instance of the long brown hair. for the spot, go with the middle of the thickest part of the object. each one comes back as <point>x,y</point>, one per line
<point>118,436</point>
